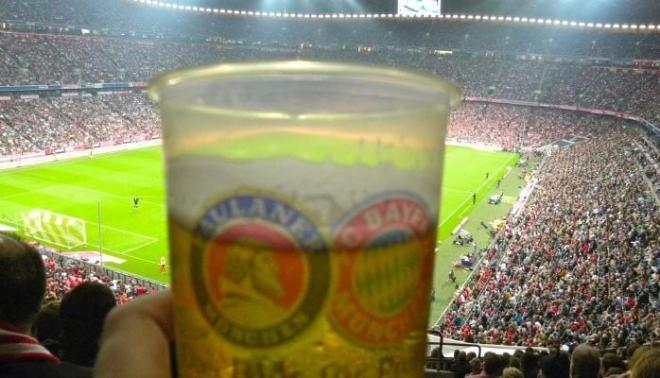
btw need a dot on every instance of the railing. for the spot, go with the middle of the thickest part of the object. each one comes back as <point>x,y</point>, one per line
<point>103,271</point>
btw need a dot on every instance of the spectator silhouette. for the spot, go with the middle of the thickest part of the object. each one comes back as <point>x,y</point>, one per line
<point>512,372</point>
<point>585,362</point>
<point>460,366</point>
<point>23,283</point>
<point>556,365</point>
<point>645,362</point>
<point>491,367</point>
<point>47,327</point>
<point>82,314</point>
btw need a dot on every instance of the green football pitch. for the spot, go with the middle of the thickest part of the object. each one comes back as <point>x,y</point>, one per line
<point>135,238</point>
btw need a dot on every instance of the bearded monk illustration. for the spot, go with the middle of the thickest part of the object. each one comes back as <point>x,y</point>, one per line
<point>250,285</point>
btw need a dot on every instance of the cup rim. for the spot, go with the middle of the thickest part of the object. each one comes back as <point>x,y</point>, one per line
<point>233,70</point>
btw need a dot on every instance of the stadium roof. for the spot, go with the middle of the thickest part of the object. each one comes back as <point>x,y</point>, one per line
<point>580,10</point>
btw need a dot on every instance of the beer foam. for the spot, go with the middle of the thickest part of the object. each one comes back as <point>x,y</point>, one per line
<point>326,190</point>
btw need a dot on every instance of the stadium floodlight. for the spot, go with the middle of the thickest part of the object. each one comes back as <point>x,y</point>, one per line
<point>454,16</point>
<point>195,9</point>
<point>625,26</point>
<point>642,26</point>
<point>573,23</point>
<point>548,21</point>
<point>507,18</point>
<point>341,15</point>
<point>470,17</point>
<point>607,26</point>
<point>564,23</point>
<point>516,19</point>
<point>599,25</point>
<point>615,26</point>
<point>500,18</point>
<point>556,22</point>
<point>477,17</point>
<point>633,26</point>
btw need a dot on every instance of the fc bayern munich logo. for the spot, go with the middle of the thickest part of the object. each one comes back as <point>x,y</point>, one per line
<point>385,251</point>
<point>260,270</point>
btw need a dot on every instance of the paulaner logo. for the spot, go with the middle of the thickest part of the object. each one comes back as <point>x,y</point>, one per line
<point>260,270</point>
<point>385,254</point>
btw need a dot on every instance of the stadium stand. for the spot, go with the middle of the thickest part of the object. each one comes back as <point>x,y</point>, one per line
<point>578,264</point>
<point>65,273</point>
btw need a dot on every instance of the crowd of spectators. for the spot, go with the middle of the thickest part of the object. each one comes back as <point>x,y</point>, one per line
<point>50,59</point>
<point>128,18</point>
<point>518,127</point>
<point>53,124</point>
<point>581,361</point>
<point>64,274</point>
<point>579,264</point>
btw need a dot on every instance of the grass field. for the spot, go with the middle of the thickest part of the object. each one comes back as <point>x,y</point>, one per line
<point>138,236</point>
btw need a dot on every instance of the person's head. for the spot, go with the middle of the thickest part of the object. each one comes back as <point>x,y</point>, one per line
<point>613,371</point>
<point>512,372</point>
<point>475,365</point>
<point>515,362</point>
<point>529,363</point>
<point>491,365</point>
<point>47,325</point>
<point>645,362</point>
<point>82,313</point>
<point>462,357</point>
<point>555,365</point>
<point>611,360</point>
<point>585,362</point>
<point>22,283</point>
<point>505,359</point>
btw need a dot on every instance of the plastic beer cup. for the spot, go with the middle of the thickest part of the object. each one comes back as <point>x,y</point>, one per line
<point>303,203</point>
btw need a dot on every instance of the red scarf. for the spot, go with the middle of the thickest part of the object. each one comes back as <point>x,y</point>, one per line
<point>16,346</point>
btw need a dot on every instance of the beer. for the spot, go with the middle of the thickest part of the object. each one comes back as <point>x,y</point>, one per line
<point>302,227</point>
